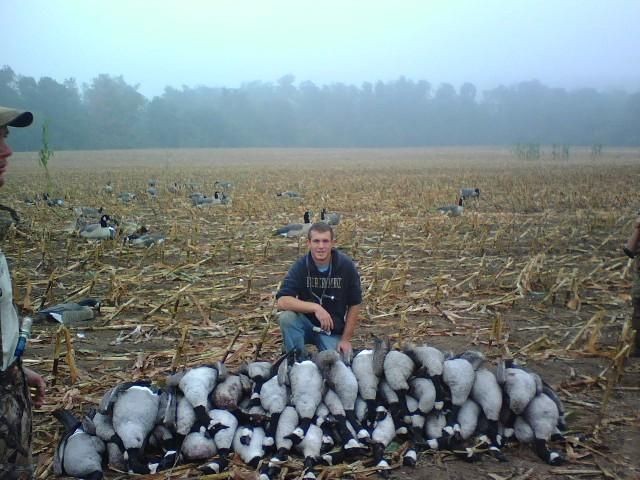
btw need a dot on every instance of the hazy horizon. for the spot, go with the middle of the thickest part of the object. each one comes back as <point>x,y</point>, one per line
<point>569,44</point>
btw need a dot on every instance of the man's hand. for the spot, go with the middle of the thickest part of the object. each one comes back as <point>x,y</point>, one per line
<point>36,381</point>
<point>345,348</point>
<point>326,322</point>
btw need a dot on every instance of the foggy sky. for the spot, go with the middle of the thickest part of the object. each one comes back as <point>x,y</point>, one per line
<point>155,43</point>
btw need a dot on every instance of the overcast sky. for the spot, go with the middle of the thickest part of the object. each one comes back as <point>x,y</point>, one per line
<point>155,43</point>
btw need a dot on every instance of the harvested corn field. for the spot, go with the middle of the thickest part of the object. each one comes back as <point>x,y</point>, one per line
<point>532,269</point>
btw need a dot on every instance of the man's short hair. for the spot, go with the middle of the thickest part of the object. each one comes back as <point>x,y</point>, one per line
<point>320,227</point>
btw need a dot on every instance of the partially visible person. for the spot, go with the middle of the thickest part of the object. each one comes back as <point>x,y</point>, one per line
<point>15,380</point>
<point>320,297</point>
<point>632,249</point>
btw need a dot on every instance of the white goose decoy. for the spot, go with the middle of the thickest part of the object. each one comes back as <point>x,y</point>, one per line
<point>98,231</point>
<point>296,229</point>
<point>452,210</point>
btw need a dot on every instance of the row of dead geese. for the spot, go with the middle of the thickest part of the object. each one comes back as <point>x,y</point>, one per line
<point>325,409</point>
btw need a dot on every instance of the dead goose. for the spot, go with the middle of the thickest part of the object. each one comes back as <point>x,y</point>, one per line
<point>79,453</point>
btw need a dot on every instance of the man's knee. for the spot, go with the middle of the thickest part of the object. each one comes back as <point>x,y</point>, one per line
<point>287,319</point>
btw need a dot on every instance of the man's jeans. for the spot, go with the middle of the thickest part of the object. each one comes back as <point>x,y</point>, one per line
<point>297,330</point>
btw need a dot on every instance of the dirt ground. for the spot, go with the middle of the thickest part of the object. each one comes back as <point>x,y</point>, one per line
<point>533,271</point>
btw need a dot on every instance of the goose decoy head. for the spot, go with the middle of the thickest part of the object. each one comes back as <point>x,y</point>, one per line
<point>307,217</point>
<point>103,221</point>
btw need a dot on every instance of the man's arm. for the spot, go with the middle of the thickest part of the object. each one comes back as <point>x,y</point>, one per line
<point>350,324</point>
<point>632,243</point>
<point>294,304</point>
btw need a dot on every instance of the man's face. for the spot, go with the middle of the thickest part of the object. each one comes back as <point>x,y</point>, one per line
<point>320,245</point>
<point>5,152</point>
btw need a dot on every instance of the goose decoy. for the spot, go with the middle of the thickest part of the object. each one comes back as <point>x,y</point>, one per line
<point>108,188</point>
<point>296,229</point>
<point>288,194</point>
<point>142,238</point>
<point>329,218</point>
<point>53,202</point>
<point>152,191</point>
<point>466,193</point>
<point>79,453</point>
<point>70,312</point>
<point>223,185</point>
<point>88,212</point>
<point>99,231</point>
<point>452,210</point>
<point>126,197</point>
<point>173,188</point>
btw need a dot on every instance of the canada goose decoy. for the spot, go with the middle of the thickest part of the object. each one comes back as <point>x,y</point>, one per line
<point>99,231</point>
<point>223,185</point>
<point>452,210</point>
<point>126,197</point>
<point>152,182</point>
<point>288,194</point>
<point>70,312</point>
<point>329,218</point>
<point>108,188</point>
<point>144,239</point>
<point>152,191</point>
<point>79,453</point>
<point>296,229</point>
<point>466,193</point>
<point>88,212</point>
<point>53,202</point>
<point>173,188</point>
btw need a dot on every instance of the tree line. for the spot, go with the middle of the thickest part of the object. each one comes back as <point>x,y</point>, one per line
<point>109,113</point>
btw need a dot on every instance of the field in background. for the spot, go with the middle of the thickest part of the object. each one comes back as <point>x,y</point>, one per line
<point>534,270</point>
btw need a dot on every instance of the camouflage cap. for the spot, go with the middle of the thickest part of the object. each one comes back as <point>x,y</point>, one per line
<point>15,118</point>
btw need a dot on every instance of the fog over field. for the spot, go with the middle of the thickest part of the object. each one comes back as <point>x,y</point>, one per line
<point>566,44</point>
<point>328,74</point>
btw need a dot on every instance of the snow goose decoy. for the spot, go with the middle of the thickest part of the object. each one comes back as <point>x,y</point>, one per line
<point>99,231</point>
<point>296,229</point>
<point>452,210</point>
<point>79,453</point>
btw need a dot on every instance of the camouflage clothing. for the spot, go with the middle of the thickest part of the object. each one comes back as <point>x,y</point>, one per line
<point>15,425</point>
<point>635,300</point>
